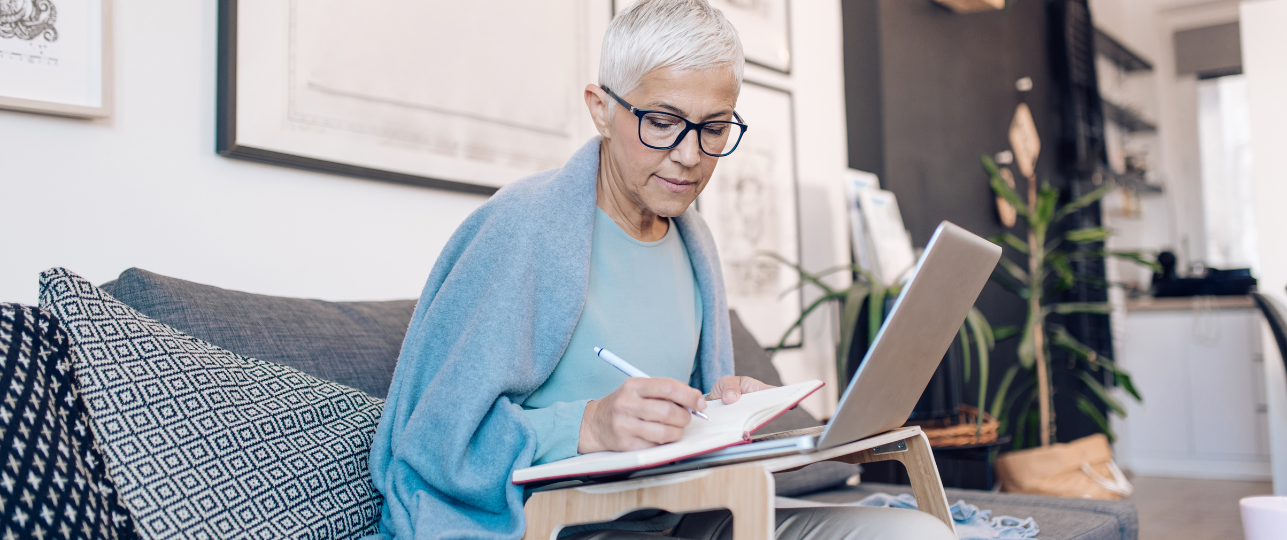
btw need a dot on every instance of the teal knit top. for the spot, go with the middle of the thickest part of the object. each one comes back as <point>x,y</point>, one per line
<point>643,305</point>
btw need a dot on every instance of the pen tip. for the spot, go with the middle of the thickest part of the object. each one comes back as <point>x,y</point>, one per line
<point>596,350</point>
<point>701,414</point>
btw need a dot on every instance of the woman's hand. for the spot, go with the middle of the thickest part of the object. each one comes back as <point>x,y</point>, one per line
<point>731,387</point>
<point>641,413</point>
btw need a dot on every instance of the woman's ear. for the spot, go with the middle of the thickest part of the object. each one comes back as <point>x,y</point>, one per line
<point>597,102</point>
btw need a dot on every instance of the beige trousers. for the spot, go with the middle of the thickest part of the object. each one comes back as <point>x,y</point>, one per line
<point>820,523</point>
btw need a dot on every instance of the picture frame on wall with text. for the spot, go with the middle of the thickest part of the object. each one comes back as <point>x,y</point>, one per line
<point>751,205</point>
<point>420,92</point>
<point>56,57</point>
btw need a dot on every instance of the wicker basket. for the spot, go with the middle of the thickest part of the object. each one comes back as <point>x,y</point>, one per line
<point>960,430</point>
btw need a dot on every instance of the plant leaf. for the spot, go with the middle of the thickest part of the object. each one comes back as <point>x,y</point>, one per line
<point>1082,202</point>
<point>998,400</point>
<point>1000,187</point>
<point>1123,380</point>
<point>1061,337</point>
<point>1007,239</point>
<point>848,326</point>
<point>983,343</point>
<point>1027,344</point>
<point>1064,308</point>
<point>804,314</point>
<point>804,275</point>
<point>1047,198</point>
<point>1013,269</point>
<point>875,312</point>
<point>1093,413</point>
<point>1058,261</point>
<point>1002,333</point>
<point>965,350</point>
<point>1139,257</point>
<point>976,318</point>
<point>1102,393</point>
<point>1006,281</point>
<point>1087,235</point>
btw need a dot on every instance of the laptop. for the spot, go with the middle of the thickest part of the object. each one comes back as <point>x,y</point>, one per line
<point>907,350</point>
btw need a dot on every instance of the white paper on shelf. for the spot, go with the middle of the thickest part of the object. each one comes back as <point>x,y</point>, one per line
<point>891,245</point>
<point>856,182</point>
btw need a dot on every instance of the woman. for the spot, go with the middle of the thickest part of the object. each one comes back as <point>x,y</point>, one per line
<point>497,372</point>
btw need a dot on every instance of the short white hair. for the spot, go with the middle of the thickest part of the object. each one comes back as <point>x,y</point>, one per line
<point>652,34</point>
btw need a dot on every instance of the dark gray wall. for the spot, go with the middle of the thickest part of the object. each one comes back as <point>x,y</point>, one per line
<point>927,92</point>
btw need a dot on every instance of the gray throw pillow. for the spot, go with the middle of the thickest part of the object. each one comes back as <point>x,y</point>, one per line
<point>353,343</point>
<point>205,443</point>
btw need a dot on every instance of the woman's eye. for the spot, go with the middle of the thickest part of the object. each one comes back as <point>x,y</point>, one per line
<point>715,130</point>
<point>660,123</point>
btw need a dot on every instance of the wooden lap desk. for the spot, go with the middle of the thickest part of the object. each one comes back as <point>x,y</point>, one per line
<point>746,489</point>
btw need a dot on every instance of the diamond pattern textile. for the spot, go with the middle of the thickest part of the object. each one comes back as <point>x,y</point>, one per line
<point>53,483</point>
<point>205,443</point>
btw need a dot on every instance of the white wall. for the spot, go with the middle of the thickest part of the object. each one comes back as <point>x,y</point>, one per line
<point>817,83</point>
<point>146,189</point>
<point>1264,48</point>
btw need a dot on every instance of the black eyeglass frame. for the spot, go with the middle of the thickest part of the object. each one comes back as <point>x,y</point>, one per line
<point>688,126</point>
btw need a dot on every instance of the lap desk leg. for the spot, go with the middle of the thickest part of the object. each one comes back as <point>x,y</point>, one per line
<point>744,489</point>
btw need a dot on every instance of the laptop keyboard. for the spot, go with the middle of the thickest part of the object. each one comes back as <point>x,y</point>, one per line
<point>788,434</point>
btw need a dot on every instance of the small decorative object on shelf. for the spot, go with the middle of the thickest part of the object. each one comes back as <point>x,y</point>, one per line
<point>972,6</point>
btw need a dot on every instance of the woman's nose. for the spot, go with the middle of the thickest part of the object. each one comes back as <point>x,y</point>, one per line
<point>688,152</point>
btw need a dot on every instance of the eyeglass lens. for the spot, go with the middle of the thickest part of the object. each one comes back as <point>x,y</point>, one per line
<point>661,130</point>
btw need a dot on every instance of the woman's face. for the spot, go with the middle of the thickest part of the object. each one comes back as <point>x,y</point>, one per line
<point>666,182</point>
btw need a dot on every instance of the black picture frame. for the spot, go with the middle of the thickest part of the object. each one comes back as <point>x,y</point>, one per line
<point>226,143</point>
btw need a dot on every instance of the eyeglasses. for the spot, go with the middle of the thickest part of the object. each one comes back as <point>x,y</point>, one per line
<point>661,130</point>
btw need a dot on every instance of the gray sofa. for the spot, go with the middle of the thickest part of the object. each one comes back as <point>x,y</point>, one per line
<point>357,344</point>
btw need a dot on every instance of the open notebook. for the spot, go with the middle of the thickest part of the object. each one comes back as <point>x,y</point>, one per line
<point>729,425</point>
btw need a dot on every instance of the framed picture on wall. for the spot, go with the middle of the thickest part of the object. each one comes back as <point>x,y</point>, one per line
<point>56,57</point>
<point>762,25</point>
<point>435,93</point>
<point>751,207</point>
<point>764,28</point>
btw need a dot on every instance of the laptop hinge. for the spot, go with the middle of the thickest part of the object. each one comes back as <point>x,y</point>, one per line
<point>891,448</point>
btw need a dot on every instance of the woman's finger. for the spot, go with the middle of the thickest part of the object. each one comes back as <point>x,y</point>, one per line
<point>669,390</point>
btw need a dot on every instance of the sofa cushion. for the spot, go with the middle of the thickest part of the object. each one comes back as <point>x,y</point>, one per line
<point>202,442</point>
<point>53,483</point>
<point>1058,518</point>
<point>353,343</point>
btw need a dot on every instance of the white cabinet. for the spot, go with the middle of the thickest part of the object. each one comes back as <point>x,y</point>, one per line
<point>1198,364</point>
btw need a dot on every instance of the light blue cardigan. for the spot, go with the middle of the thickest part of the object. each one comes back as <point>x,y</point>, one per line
<point>494,318</point>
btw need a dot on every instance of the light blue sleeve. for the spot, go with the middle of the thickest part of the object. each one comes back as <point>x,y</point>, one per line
<point>558,430</point>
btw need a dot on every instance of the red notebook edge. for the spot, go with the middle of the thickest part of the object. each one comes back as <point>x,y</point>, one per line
<point>746,438</point>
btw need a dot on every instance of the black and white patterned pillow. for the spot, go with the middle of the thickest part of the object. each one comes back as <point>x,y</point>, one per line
<point>206,443</point>
<point>53,483</point>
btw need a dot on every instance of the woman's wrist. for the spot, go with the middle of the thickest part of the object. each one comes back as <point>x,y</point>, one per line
<point>587,442</point>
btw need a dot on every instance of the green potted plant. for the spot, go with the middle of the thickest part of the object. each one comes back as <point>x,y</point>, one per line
<point>1049,272</point>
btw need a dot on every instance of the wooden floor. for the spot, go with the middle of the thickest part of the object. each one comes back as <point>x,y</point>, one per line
<point>1186,509</point>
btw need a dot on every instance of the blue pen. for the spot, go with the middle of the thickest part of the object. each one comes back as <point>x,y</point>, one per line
<point>630,370</point>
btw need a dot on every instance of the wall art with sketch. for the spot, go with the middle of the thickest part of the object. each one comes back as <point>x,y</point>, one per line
<point>751,207</point>
<point>428,92</point>
<point>55,57</point>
